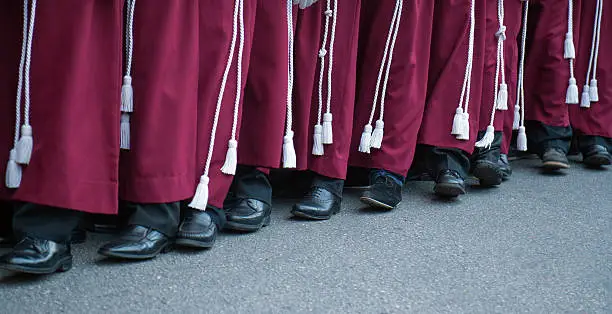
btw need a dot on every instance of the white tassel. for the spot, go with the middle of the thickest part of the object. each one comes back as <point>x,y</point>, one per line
<point>464,135</point>
<point>231,158</point>
<point>366,139</point>
<point>200,199</point>
<point>127,95</point>
<point>378,134</point>
<point>289,158</point>
<point>328,134</point>
<point>585,102</point>
<point>572,93</point>
<point>13,172</point>
<point>521,140</point>
<point>317,146</point>
<point>457,122</point>
<point>594,91</point>
<point>569,51</point>
<point>24,146</point>
<point>517,118</point>
<point>502,97</point>
<point>125,131</point>
<point>487,139</point>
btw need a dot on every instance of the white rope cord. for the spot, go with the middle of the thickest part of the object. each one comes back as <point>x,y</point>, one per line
<point>13,170</point>
<point>593,89</point>
<point>502,96</point>
<point>519,122</point>
<point>366,136</point>
<point>328,137</point>
<point>127,91</point>
<point>570,54</point>
<point>289,157</point>
<point>461,122</point>
<point>378,134</point>
<point>489,136</point>
<point>585,101</point>
<point>231,158</point>
<point>200,199</point>
<point>317,148</point>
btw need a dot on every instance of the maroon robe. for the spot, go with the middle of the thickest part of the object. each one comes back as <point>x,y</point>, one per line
<point>512,20</point>
<point>406,90</point>
<point>265,99</point>
<point>215,33</point>
<point>160,166</point>
<point>546,71</point>
<point>75,84</point>
<point>309,35</point>
<point>596,120</point>
<point>447,66</point>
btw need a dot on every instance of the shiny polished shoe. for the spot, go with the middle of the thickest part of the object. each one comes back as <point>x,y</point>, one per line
<point>385,191</point>
<point>596,156</point>
<point>78,236</point>
<point>449,184</point>
<point>554,159</point>
<point>197,230</point>
<point>504,166</point>
<point>317,204</point>
<point>37,256</point>
<point>137,242</point>
<point>247,215</point>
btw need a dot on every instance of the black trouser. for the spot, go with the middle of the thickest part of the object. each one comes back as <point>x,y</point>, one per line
<point>6,219</point>
<point>45,222</point>
<point>585,141</point>
<point>492,153</point>
<point>436,159</point>
<point>251,183</point>
<point>541,137</point>
<point>162,217</point>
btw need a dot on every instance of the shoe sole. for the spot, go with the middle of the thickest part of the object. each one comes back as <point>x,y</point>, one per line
<point>555,165</point>
<point>232,225</point>
<point>130,256</point>
<point>300,214</point>
<point>597,161</point>
<point>194,243</point>
<point>488,175</point>
<point>64,265</point>
<point>374,203</point>
<point>448,190</point>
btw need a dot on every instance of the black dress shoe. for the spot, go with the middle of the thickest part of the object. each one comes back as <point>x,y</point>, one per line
<point>504,165</point>
<point>247,215</point>
<point>385,190</point>
<point>449,184</point>
<point>596,156</point>
<point>489,173</point>
<point>317,204</point>
<point>78,236</point>
<point>554,159</point>
<point>37,256</point>
<point>137,242</point>
<point>198,229</point>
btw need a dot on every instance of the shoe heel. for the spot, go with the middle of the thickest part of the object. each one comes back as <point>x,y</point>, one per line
<point>267,221</point>
<point>65,266</point>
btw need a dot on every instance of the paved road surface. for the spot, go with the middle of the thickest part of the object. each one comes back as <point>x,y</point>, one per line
<point>538,244</point>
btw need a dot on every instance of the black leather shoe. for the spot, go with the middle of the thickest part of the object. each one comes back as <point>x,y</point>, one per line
<point>554,159</point>
<point>489,173</point>
<point>37,256</point>
<point>247,215</point>
<point>384,192</point>
<point>317,204</point>
<point>596,156</point>
<point>78,236</point>
<point>504,165</point>
<point>449,184</point>
<point>197,230</point>
<point>137,242</point>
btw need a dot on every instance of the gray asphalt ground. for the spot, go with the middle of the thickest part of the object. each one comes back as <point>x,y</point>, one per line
<point>539,244</point>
